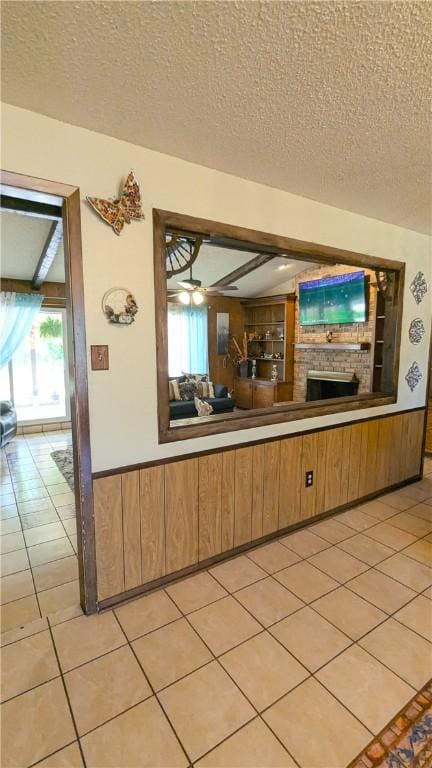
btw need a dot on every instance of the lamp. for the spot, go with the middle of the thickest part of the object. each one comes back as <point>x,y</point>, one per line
<point>197,297</point>
<point>184,297</point>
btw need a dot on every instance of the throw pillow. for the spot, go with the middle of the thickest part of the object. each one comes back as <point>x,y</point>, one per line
<point>188,390</point>
<point>174,388</point>
<point>205,389</point>
<point>197,377</point>
<point>203,409</point>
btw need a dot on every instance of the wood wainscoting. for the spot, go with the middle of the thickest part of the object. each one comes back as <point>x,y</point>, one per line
<point>179,515</point>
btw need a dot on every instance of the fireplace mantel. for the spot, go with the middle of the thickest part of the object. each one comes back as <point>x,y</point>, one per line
<point>335,346</point>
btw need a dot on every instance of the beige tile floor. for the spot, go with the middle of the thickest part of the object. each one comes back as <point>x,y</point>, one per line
<point>295,654</point>
<point>39,568</point>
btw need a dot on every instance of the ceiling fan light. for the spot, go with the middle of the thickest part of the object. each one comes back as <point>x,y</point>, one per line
<point>184,297</point>
<point>197,297</point>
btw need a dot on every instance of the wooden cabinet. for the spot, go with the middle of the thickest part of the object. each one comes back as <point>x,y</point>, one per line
<point>261,393</point>
<point>243,392</point>
<point>269,324</point>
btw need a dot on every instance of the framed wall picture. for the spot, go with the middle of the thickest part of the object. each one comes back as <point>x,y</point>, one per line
<point>222,332</point>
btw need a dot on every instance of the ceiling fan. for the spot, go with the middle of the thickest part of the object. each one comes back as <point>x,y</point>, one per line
<point>191,290</point>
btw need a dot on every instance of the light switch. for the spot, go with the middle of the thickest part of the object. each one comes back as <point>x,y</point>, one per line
<point>99,357</point>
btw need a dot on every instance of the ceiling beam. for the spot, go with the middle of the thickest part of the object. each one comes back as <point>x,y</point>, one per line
<point>48,254</point>
<point>33,208</point>
<point>244,269</point>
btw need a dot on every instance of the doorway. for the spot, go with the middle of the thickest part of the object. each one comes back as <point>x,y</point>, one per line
<point>46,488</point>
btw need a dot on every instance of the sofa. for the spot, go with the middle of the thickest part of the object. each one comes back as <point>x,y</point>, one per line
<point>8,422</point>
<point>185,409</point>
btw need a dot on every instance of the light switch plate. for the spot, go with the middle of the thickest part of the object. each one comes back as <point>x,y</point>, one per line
<point>99,357</point>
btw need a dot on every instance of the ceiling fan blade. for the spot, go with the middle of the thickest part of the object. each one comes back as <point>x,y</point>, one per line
<point>190,284</point>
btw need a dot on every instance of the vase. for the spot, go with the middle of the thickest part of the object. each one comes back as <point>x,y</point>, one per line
<point>244,368</point>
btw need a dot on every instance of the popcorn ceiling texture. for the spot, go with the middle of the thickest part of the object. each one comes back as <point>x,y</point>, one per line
<point>329,100</point>
<point>345,361</point>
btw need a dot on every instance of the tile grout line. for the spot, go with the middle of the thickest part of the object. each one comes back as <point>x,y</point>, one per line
<point>129,644</point>
<point>67,696</point>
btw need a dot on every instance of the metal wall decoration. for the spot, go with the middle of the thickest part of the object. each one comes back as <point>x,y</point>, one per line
<point>416,331</point>
<point>413,376</point>
<point>123,209</point>
<point>119,306</point>
<point>419,287</point>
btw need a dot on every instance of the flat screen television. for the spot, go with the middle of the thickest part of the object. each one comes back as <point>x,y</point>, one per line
<point>336,299</point>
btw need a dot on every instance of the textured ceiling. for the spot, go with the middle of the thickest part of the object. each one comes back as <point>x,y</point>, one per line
<point>330,100</point>
<point>21,241</point>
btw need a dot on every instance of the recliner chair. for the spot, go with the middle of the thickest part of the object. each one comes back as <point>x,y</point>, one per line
<point>8,422</point>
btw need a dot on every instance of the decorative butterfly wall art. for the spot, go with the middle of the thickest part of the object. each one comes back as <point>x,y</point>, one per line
<point>124,209</point>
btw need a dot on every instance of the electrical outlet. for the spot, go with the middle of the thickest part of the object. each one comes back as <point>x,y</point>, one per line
<point>309,479</point>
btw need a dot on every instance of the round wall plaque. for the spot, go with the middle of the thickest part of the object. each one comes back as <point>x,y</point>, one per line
<point>119,306</point>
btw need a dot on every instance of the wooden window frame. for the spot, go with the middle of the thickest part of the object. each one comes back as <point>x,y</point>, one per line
<point>185,429</point>
<point>32,188</point>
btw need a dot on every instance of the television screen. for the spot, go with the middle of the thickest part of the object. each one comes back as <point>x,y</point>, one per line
<point>338,299</point>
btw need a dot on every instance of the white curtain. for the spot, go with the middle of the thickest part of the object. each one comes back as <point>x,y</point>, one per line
<point>17,315</point>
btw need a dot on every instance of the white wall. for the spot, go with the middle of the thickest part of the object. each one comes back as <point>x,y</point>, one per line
<point>123,400</point>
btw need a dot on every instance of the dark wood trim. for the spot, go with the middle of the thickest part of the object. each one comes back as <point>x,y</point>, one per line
<point>55,291</point>
<point>185,429</point>
<point>278,243</point>
<point>428,386</point>
<point>79,403</point>
<point>9,204</point>
<point>244,269</point>
<point>49,252</point>
<point>32,188</point>
<point>248,444</point>
<point>130,594</point>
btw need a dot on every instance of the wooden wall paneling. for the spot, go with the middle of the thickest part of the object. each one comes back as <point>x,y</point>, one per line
<point>243,496</point>
<point>355,461</point>
<point>228,500</point>
<point>152,512</point>
<point>210,505</point>
<point>181,514</point>
<point>290,481</point>
<point>270,516</point>
<point>221,371</point>
<point>107,494</point>
<point>130,489</point>
<point>396,448</point>
<point>384,452</point>
<point>313,458</point>
<point>258,490</point>
<point>367,482</point>
<point>412,431</point>
<point>337,467</point>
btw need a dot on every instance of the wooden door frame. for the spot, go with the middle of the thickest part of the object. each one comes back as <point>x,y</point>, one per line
<point>31,186</point>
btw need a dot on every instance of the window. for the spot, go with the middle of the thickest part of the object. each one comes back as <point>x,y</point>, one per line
<point>187,340</point>
<point>36,377</point>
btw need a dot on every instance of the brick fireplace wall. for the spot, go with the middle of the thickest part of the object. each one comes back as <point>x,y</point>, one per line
<point>360,362</point>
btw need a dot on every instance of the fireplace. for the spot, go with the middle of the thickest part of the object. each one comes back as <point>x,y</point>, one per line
<point>321,385</point>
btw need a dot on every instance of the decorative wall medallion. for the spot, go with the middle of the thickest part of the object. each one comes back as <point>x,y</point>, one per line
<point>416,330</point>
<point>419,287</point>
<point>119,306</point>
<point>123,209</point>
<point>413,376</point>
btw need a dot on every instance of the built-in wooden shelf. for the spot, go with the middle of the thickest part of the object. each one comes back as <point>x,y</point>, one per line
<point>336,346</point>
